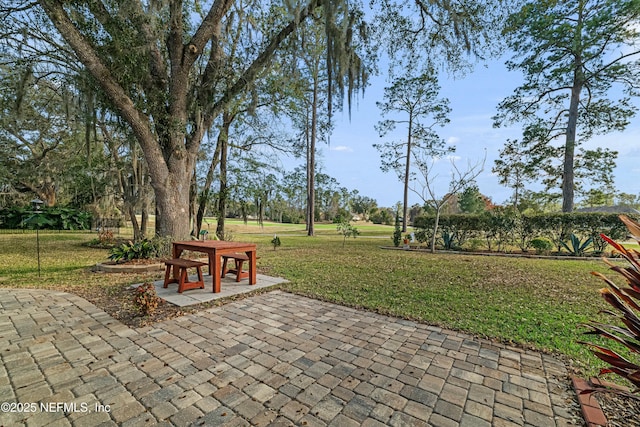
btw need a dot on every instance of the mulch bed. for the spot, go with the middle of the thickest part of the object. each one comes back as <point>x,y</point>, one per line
<point>118,302</point>
<point>620,410</point>
<point>607,404</point>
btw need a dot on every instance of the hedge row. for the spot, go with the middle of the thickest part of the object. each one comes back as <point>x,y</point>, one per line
<point>501,228</point>
<point>55,218</point>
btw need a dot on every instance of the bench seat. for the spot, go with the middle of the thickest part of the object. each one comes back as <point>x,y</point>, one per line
<point>239,260</point>
<point>180,274</point>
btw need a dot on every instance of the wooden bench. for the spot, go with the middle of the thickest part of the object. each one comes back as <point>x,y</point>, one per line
<point>180,276</point>
<point>238,259</point>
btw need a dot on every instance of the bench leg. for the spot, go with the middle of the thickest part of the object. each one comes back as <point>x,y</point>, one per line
<point>239,263</point>
<point>166,276</point>
<point>183,279</point>
<point>200,277</point>
<point>224,267</point>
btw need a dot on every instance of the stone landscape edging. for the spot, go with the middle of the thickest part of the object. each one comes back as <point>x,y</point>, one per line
<point>591,410</point>
<point>113,267</point>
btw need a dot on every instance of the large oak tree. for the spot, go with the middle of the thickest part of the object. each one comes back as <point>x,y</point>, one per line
<point>162,65</point>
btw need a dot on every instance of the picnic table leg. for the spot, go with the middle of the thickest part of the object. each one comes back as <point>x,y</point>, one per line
<point>252,267</point>
<point>211,263</point>
<point>215,274</point>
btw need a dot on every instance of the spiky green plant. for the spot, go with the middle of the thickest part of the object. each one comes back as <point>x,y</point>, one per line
<point>625,301</point>
<point>578,247</point>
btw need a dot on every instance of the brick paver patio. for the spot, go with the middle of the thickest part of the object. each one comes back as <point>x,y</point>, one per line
<point>271,359</point>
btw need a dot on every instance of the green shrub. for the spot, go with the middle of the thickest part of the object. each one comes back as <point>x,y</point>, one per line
<point>523,231</point>
<point>474,244</point>
<point>422,236</point>
<point>541,245</point>
<point>397,232</point>
<point>381,216</point>
<point>51,218</point>
<point>275,242</point>
<point>505,226</point>
<point>143,249</point>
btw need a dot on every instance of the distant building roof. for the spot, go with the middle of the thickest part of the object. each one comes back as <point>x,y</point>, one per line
<point>611,209</point>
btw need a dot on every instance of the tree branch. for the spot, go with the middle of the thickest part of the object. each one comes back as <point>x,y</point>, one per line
<point>87,55</point>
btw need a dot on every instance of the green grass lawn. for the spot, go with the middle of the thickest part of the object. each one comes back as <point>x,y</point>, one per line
<point>529,302</point>
<point>270,228</point>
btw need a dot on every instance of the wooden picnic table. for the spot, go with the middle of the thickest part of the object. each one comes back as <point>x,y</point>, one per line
<point>214,249</point>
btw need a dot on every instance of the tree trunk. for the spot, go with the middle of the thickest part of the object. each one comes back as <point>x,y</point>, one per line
<point>222,196</point>
<point>137,232</point>
<point>172,204</point>
<point>405,202</point>
<point>568,185</point>
<point>435,230</point>
<point>516,193</point>
<point>215,158</point>
<point>311,185</point>
<point>193,203</point>
<point>144,214</point>
<point>206,188</point>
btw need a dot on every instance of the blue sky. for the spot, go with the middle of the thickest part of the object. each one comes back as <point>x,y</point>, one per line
<point>352,160</point>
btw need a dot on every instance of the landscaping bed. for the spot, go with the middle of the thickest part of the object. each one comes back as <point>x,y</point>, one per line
<point>131,266</point>
<point>551,256</point>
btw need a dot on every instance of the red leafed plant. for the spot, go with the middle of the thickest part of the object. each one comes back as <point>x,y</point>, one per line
<point>625,300</point>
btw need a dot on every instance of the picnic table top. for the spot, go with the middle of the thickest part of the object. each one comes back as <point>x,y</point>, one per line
<point>215,244</point>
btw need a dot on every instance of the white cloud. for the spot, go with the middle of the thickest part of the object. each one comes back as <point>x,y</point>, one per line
<point>449,158</point>
<point>342,148</point>
<point>453,140</point>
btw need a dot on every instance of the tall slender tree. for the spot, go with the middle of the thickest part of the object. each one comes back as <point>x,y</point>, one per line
<point>416,99</point>
<point>572,54</point>
<point>318,97</point>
